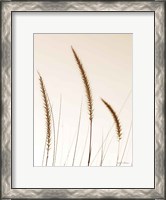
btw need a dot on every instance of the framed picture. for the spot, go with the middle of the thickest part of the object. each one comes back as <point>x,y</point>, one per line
<point>82,99</point>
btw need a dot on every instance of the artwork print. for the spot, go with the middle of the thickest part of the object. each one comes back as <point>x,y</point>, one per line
<point>83,100</point>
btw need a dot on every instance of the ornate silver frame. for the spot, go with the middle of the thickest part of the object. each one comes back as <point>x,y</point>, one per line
<point>7,192</point>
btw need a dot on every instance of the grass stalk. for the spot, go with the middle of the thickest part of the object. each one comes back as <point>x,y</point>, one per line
<point>44,151</point>
<point>62,133</point>
<point>84,148</point>
<point>89,98</point>
<point>47,116</point>
<point>105,139</point>
<point>53,121</point>
<point>90,144</point>
<point>116,119</point>
<point>69,150</point>
<point>101,160</point>
<point>126,144</point>
<point>59,121</point>
<point>117,123</point>
<point>118,153</point>
<point>108,148</point>
<point>78,131</point>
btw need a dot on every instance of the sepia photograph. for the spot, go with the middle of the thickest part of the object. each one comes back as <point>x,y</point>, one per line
<point>83,100</point>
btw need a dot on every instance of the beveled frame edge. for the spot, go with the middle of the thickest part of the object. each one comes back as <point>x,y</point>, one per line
<point>7,191</point>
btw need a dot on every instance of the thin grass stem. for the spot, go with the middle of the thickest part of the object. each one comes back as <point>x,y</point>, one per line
<point>59,121</point>
<point>54,135</point>
<point>101,160</point>
<point>84,147</point>
<point>118,153</point>
<point>70,150</point>
<point>78,131</point>
<point>108,147</point>
<point>62,144</point>
<point>90,144</point>
<point>44,151</point>
<point>126,144</point>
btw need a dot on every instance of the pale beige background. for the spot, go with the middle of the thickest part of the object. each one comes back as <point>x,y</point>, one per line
<point>107,59</point>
